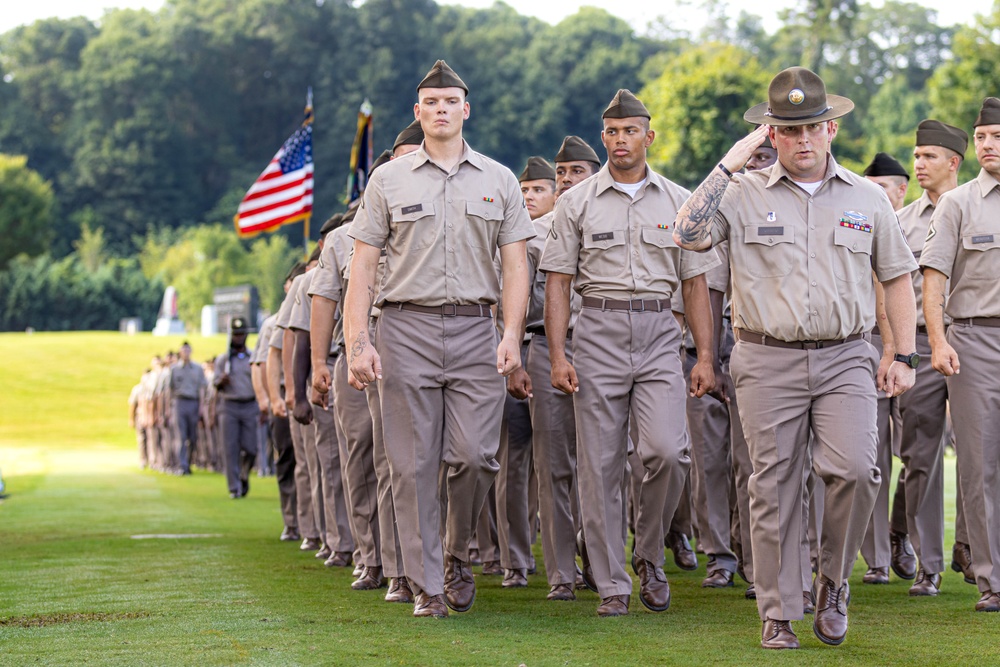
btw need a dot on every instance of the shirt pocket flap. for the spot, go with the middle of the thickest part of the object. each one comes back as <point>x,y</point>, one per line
<point>661,238</point>
<point>981,241</point>
<point>769,235</point>
<point>485,210</point>
<point>603,239</point>
<point>854,240</point>
<point>413,212</point>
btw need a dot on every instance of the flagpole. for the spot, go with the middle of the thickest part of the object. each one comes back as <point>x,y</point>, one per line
<point>305,235</point>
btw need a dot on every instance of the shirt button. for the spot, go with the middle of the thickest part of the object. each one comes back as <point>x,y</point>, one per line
<point>449,201</point>
<point>635,253</point>
<point>451,250</point>
<point>814,283</point>
<point>812,226</point>
<point>815,312</point>
<point>854,247</point>
<point>812,254</point>
<point>770,240</point>
<point>451,225</point>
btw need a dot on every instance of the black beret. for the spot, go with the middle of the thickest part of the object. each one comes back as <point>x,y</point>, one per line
<point>884,164</point>
<point>625,105</point>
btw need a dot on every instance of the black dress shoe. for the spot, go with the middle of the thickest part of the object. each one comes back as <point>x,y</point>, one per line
<point>903,560</point>
<point>750,593</point>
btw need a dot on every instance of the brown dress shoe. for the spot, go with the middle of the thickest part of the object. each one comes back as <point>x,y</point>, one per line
<point>926,584</point>
<point>587,573</point>
<point>459,586</point>
<point>876,575</point>
<point>830,623</point>
<point>290,535</point>
<point>808,602</point>
<point>514,579</point>
<point>399,591</point>
<point>432,606</point>
<point>339,559</point>
<point>370,580</point>
<point>492,567</point>
<point>989,601</point>
<point>903,560</point>
<point>616,605</point>
<point>474,557</point>
<point>778,634</point>
<point>961,561</point>
<point>561,592</point>
<point>750,593</point>
<point>718,579</point>
<point>311,544</point>
<point>654,591</point>
<point>684,557</point>
<point>324,552</point>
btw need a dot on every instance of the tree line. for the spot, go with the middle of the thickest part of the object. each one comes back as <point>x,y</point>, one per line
<point>147,125</point>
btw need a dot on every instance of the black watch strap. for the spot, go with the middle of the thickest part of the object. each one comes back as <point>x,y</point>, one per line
<point>911,360</point>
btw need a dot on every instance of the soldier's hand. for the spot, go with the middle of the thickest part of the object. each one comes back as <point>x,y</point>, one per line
<point>280,410</point>
<point>719,391</point>
<point>303,412</point>
<point>564,377</point>
<point>263,410</point>
<point>899,379</point>
<point>321,385</point>
<point>364,362</point>
<point>741,151</point>
<point>519,384</point>
<point>702,379</point>
<point>508,356</point>
<point>944,359</point>
<point>882,375</point>
<point>222,381</point>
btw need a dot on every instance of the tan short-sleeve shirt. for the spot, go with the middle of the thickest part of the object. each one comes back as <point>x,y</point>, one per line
<point>620,247</point>
<point>285,311</point>
<point>536,303</point>
<point>441,229</point>
<point>260,350</point>
<point>801,264</point>
<point>328,280</point>
<point>963,243</point>
<point>915,220</point>
<point>301,312</point>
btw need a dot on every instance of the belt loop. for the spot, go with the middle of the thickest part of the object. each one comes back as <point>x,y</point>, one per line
<point>604,303</point>
<point>399,306</point>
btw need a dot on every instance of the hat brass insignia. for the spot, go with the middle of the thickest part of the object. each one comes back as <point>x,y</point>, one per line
<point>796,96</point>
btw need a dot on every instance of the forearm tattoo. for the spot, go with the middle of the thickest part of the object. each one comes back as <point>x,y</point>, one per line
<point>371,296</point>
<point>359,345</point>
<point>702,207</point>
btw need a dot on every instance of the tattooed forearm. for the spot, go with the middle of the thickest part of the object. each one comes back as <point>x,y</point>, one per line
<point>371,296</point>
<point>694,220</point>
<point>359,345</point>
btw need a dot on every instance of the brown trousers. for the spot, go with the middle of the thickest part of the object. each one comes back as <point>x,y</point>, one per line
<point>782,393</point>
<point>308,517</point>
<point>442,400</point>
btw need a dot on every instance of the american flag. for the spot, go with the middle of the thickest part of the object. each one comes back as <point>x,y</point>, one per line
<point>283,193</point>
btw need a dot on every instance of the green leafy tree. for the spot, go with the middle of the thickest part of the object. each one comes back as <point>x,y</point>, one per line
<point>697,105</point>
<point>26,204</point>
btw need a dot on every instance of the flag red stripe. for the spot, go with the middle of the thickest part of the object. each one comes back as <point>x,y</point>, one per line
<point>263,226</point>
<point>250,196</point>
<point>274,205</point>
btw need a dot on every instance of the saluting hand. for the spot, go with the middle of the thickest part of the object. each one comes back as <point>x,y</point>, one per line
<point>741,151</point>
<point>364,362</point>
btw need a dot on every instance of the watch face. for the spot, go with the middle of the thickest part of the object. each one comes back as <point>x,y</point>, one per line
<point>914,360</point>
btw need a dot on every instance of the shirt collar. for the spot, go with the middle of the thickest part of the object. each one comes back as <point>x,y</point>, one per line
<point>833,169</point>
<point>986,182</point>
<point>468,155</point>
<point>606,181</point>
<point>924,203</point>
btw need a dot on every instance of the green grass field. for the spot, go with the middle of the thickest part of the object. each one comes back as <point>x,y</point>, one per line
<point>75,588</point>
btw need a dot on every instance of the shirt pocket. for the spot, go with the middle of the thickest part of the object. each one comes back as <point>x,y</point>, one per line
<point>980,264</point>
<point>413,225</point>
<point>769,250</point>
<point>483,228</point>
<point>604,253</point>
<point>658,251</point>
<point>852,254</point>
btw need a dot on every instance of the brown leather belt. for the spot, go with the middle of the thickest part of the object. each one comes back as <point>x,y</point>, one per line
<point>634,305</point>
<point>540,331</point>
<point>745,336</point>
<point>446,310</point>
<point>993,322</point>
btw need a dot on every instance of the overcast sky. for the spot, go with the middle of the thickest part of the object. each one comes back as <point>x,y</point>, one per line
<point>636,12</point>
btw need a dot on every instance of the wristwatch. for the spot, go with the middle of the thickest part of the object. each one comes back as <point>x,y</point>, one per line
<point>911,360</point>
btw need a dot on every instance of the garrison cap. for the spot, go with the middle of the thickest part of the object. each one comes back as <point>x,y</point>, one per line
<point>314,255</point>
<point>884,164</point>
<point>625,105</point>
<point>238,325</point>
<point>331,224</point>
<point>442,76</point>
<point>797,96</point>
<point>936,133</point>
<point>989,114</point>
<point>296,270</point>
<point>538,168</point>
<point>412,135</point>
<point>575,149</point>
<point>379,161</point>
